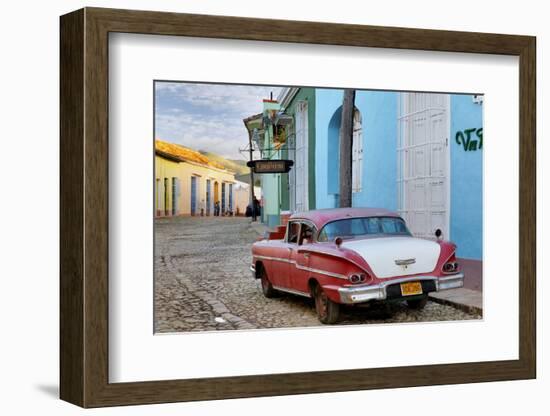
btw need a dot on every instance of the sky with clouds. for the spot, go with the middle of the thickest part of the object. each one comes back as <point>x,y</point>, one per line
<point>207,116</point>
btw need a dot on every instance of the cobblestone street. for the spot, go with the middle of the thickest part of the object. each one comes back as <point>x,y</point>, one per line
<point>203,282</point>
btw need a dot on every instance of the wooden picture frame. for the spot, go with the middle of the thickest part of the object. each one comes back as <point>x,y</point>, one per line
<point>84,207</point>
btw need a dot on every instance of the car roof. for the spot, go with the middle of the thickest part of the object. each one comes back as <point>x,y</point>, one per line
<point>320,217</point>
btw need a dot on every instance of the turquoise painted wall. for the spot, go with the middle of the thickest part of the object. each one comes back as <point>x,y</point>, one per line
<point>379,113</point>
<point>327,103</point>
<point>466,176</point>
<point>304,94</point>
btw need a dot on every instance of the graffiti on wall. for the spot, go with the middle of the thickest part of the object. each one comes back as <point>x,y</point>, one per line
<point>470,139</point>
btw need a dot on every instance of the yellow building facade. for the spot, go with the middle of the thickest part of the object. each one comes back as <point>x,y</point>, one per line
<point>188,183</point>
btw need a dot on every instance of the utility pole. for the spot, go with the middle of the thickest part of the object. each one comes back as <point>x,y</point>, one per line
<point>346,148</point>
<point>252,196</point>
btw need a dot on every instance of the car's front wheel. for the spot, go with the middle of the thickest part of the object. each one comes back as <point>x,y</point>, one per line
<point>418,304</point>
<point>267,287</point>
<point>327,310</point>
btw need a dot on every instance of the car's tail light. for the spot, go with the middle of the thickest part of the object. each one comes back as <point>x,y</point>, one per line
<point>357,278</point>
<point>451,265</point>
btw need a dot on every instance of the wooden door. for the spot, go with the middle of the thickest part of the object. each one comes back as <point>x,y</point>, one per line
<point>423,163</point>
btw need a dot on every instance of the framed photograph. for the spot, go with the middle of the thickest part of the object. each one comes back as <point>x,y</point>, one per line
<point>255,207</point>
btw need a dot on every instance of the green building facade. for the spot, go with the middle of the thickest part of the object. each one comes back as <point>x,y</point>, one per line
<point>298,186</point>
<point>286,130</point>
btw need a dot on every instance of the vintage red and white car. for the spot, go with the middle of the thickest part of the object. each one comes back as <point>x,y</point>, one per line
<point>353,256</point>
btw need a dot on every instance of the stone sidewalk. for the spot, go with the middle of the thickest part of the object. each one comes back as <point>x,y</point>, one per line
<point>259,227</point>
<point>467,300</point>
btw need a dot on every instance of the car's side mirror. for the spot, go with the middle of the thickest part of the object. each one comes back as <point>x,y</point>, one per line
<point>438,234</point>
<point>338,241</point>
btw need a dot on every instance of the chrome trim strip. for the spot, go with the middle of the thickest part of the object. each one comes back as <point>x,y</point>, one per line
<point>309,269</point>
<point>273,258</point>
<point>292,291</point>
<point>455,276</point>
<point>404,262</point>
<point>331,254</point>
<point>451,282</point>
<point>363,293</point>
<point>331,274</point>
<point>407,279</point>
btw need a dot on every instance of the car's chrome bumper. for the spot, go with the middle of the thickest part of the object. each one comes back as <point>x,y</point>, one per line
<point>253,271</point>
<point>359,294</point>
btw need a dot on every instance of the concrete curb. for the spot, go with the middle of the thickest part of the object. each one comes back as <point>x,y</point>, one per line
<point>259,228</point>
<point>467,300</point>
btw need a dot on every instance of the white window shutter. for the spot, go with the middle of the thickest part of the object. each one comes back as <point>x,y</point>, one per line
<point>301,157</point>
<point>357,152</point>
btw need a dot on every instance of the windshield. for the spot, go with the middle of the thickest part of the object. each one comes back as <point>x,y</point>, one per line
<point>363,227</point>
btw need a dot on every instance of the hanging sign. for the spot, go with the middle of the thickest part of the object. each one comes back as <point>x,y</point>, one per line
<point>270,166</point>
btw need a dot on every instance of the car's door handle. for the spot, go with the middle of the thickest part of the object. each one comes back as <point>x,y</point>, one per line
<point>306,255</point>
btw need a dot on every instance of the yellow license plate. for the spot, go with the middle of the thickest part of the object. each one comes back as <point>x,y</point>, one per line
<point>411,288</point>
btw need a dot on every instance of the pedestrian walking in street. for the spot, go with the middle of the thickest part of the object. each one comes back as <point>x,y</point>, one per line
<point>257,207</point>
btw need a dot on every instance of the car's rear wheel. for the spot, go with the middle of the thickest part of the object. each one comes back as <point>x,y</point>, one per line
<point>267,287</point>
<point>327,310</point>
<point>418,303</point>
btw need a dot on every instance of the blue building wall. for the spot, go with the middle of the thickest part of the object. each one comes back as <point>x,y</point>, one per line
<point>466,219</point>
<point>379,189</point>
<point>379,116</point>
<point>379,182</point>
<point>327,103</point>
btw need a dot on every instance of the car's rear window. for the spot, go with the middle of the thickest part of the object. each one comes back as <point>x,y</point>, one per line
<point>361,227</point>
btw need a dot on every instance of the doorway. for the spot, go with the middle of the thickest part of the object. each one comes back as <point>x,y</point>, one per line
<point>166,197</point>
<point>193,195</point>
<point>223,199</point>
<point>175,195</point>
<point>208,197</point>
<point>423,162</point>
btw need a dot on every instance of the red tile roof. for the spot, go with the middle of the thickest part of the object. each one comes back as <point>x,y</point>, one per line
<point>184,154</point>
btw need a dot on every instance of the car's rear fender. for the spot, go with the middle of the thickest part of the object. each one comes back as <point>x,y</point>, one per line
<point>336,260</point>
<point>332,292</point>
